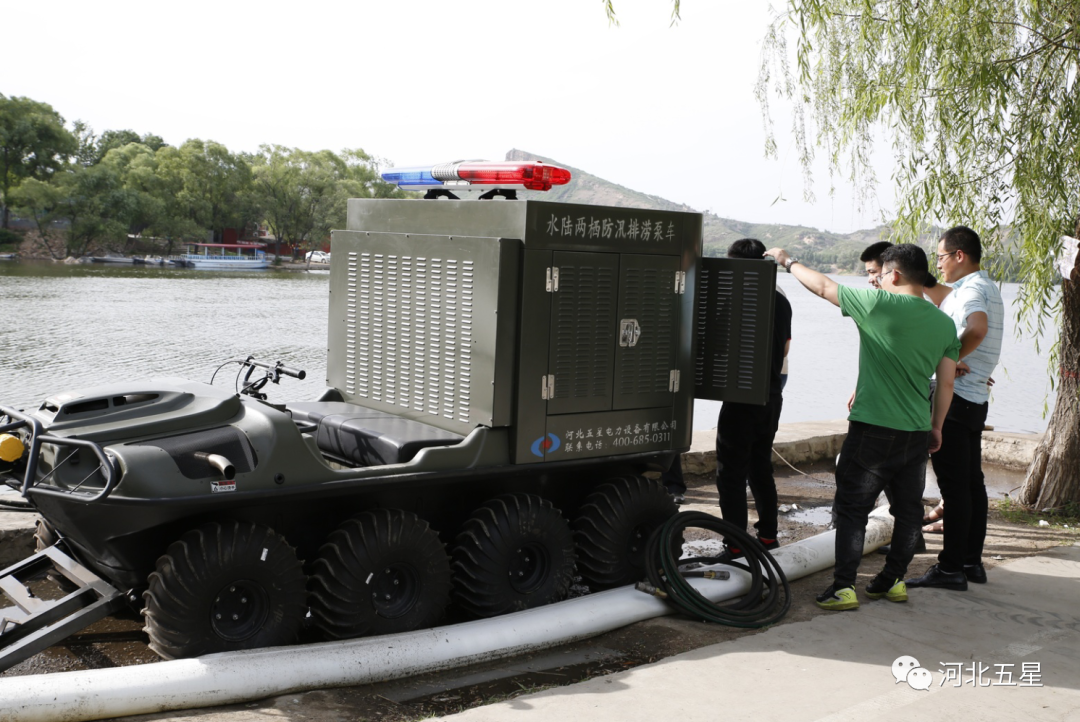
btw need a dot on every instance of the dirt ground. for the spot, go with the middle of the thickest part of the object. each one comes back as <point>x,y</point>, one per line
<point>805,505</point>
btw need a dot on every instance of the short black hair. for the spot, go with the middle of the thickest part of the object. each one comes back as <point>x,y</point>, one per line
<point>962,238</point>
<point>746,248</point>
<point>873,252</point>
<point>911,261</point>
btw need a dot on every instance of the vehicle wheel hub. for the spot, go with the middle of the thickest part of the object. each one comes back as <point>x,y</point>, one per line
<point>239,610</point>
<point>394,591</point>
<point>528,568</point>
<point>639,536</point>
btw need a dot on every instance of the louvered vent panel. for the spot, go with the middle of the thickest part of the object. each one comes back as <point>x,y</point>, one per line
<point>713,329</point>
<point>584,310</point>
<point>409,332</point>
<point>650,299</point>
<point>733,330</point>
<point>352,276</point>
<point>749,327</point>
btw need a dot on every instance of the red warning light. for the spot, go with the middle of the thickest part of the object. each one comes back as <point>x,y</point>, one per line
<point>533,175</point>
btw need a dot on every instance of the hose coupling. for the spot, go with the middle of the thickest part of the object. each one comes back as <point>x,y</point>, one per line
<point>650,589</point>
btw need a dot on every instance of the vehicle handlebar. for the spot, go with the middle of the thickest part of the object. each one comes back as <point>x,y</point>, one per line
<point>279,367</point>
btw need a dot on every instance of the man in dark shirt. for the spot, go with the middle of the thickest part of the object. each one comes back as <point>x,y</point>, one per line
<point>745,432</point>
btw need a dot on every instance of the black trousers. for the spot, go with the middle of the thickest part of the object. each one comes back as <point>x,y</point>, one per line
<point>744,440</point>
<point>673,479</point>
<point>958,465</point>
<point>875,458</point>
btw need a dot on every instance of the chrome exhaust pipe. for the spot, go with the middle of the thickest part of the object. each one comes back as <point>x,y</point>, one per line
<point>219,462</point>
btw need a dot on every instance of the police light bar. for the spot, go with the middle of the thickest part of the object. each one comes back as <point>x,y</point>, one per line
<point>479,175</point>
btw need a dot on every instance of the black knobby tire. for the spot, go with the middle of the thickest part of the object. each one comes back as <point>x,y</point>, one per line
<point>613,527</point>
<point>44,536</point>
<point>516,552</point>
<point>225,587</point>
<point>381,572</point>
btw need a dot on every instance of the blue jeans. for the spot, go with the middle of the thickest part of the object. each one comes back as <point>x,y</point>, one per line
<point>872,458</point>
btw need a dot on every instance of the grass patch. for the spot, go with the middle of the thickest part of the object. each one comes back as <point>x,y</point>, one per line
<point>1066,518</point>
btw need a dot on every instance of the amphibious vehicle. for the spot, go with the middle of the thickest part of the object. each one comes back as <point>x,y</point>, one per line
<point>501,374</point>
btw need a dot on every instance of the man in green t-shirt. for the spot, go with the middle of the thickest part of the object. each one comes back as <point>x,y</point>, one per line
<point>903,340</point>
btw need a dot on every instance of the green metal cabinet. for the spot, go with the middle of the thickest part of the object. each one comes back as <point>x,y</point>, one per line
<point>587,330</point>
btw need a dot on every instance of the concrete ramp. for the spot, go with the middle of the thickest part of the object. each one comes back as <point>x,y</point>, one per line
<point>1006,650</point>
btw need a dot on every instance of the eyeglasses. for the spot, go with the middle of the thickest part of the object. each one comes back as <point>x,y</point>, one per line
<point>942,256</point>
<point>885,273</point>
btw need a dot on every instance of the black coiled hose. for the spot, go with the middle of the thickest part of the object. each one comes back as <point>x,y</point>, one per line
<point>768,599</point>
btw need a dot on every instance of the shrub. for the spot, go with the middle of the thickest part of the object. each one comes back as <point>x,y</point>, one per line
<point>9,238</point>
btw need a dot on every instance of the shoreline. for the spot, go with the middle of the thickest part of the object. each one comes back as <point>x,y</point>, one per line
<point>808,442</point>
<point>288,266</point>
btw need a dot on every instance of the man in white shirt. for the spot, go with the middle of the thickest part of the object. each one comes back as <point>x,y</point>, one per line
<point>974,304</point>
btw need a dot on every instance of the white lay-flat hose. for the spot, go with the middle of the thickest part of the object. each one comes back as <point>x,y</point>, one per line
<point>233,677</point>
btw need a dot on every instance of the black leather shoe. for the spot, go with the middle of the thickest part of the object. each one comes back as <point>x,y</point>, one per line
<point>934,577</point>
<point>975,573</point>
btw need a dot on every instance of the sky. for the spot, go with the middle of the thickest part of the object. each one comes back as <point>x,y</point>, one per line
<point>665,110</point>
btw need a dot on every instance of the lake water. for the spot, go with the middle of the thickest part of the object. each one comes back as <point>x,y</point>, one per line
<point>66,327</point>
<point>824,364</point>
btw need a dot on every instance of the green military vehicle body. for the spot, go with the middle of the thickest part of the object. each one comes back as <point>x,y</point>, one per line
<point>500,376</point>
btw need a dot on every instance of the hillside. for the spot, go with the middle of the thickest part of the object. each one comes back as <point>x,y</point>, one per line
<point>821,249</point>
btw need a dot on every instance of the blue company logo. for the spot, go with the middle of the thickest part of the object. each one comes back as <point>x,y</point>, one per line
<point>545,444</point>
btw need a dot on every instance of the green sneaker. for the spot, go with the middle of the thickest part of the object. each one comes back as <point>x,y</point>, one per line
<point>838,600</point>
<point>893,590</point>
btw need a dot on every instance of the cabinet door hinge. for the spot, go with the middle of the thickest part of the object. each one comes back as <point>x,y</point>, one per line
<point>673,380</point>
<point>547,387</point>
<point>552,279</point>
<point>680,282</point>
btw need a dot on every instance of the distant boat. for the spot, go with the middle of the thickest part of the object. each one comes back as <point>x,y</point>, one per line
<point>112,259</point>
<point>225,257</point>
<point>8,256</point>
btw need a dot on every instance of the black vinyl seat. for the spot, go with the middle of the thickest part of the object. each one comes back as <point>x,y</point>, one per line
<point>368,437</point>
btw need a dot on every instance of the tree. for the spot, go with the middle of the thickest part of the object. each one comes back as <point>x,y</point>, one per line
<point>148,198</point>
<point>983,103</point>
<point>175,220</point>
<point>294,190</point>
<point>303,195</point>
<point>360,179</point>
<point>33,144</point>
<point>93,148</point>
<point>42,202</point>
<point>97,206</point>
<point>92,202</point>
<point>212,186</point>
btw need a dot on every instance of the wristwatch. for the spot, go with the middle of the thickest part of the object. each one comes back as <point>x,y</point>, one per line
<point>790,262</point>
